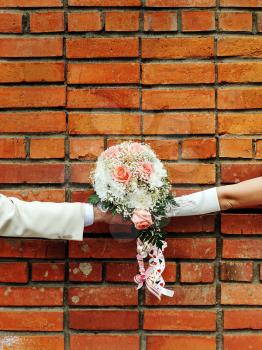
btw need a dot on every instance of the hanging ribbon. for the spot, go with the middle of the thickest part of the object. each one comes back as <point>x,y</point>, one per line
<point>152,276</point>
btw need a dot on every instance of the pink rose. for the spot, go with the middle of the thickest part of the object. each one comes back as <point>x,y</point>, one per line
<point>121,174</point>
<point>146,168</point>
<point>112,152</point>
<point>142,219</point>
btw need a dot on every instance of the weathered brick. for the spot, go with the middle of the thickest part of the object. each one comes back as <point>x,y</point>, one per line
<point>191,248</point>
<point>121,21</point>
<point>101,123</point>
<point>101,47</point>
<point>181,3</point>
<point>179,320</point>
<point>31,3</point>
<point>181,342</point>
<point>13,272</point>
<point>48,272</point>
<point>195,173</point>
<point>103,73</point>
<point>178,73</point>
<point>31,47</point>
<point>166,99</point>
<point>157,21</point>
<point>242,46</point>
<point>80,173</point>
<point>84,148</point>
<point>198,148</point>
<point>196,273</point>
<point>241,224</point>
<point>242,341</point>
<point>243,319</point>
<point>241,294</point>
<point>240,3</point>
<point>235,21</point>
<point>187,47</point>
<point>36,194</point>
<point>28,342</point>
<point>236,271</point>
<point>193,21</point>
<point>47,148</point>
<point>102,296</point>
<point>103,319</point>
<point>44,22</point>
<point>240,98</point>
<point>12,148</point>
<point>121,3</point>
<point>85,271</point>
<point>231,173</point>
<point>235,148</point>
<point>10,22</point>
<point>179,123</point>
<point>239,123</point>
<point>93,342</point>
<point>259,149</point>
<point>242,249</point>
<point>165,149</point>
<point>85,21</point>
<point>240,72</point>
<point>32,97</point>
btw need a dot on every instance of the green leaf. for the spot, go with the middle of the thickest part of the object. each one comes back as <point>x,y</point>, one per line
<point>94,199</point>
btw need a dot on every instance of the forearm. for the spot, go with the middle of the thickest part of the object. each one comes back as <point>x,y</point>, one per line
<point>244,194</point>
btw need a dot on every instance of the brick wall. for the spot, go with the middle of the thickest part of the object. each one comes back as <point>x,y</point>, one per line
<point>182,75</point>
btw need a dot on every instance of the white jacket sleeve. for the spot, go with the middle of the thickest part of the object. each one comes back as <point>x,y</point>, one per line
<point>198,203</point>
<point>42,219</point>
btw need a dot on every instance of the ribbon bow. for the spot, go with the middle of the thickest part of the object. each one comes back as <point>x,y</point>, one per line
<point>152,276</point>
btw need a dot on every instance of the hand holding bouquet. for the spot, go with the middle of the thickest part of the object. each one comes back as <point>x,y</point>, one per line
<point>130,180</point>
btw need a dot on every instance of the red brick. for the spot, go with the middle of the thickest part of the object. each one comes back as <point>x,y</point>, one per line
<point>81,195</point>
<point>242,72</point>
<point>85,271</point>
<point>103,319</point>
<point>260,272</point>
<point>181,3</point>
<point>179,320</point>
<point>80,173</point>
<point>101,47</point>
<point>47,321</point>
<point>194,173</point>
<point>187,47</point>
<point>102,248</point>
<point>12,148</point>
<point>232,173</point>
<point>121,3</point>
<point>21,342</point>
<point>10,22</point>
<point>178,73</point>
<point>196,273</point>
<point>18,72</point>
<point>43,195</point>
<point>13,272</point>
<point>240,3</point>
<point>103,123</point>
<point>197,223</point>
<point>193,21</point>
<point>25,97</point>
<point>102,98</point>
<point>103,73</point>
<point>259,22</point>
<point>32,248</point>
<point>31,47</point>
<point>31,173</point>
<point>199,148</point>
<point>241,224</point>
<point>31,296</point>
<point>83,148</point>
<point>48,272</point>
<point>235,21</point>
<point>243,319</point>
<point>121,21</point>
<point>96,341</point>
<point>239,123</point>
<point>241,294</point>
<point>259,149</point>
<point>164,99</point>
<point>191,248</point>
<point>242,249</point>
<point>125,272</point>
<point>242,341</point>
<point>32,122</point>
<point>235,148</point>
<point>180,342</point>
<point>44,22</point>
<point>84,21</point>
<point>165,149</point>
<point>242,46</point>
<point>240,98</point>
<point>47,148</point>
<point>160,21</point>
<point>102,296</point>
<point>30,3</point>
<point>236,271</point>
<point>185,295</point>
<point>179,123</point>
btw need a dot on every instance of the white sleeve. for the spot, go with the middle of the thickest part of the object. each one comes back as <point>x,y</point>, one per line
<point>89,214</point>
<point>197,203</point>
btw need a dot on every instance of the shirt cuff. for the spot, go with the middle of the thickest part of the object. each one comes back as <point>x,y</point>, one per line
<point>89,214</point>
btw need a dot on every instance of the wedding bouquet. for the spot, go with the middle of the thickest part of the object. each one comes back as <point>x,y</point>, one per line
<point>130,180</point>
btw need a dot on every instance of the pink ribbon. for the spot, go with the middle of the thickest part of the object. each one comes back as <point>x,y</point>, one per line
<point>152,276</point>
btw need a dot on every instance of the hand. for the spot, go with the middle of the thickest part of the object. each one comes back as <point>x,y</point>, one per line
<point>108,218</point>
